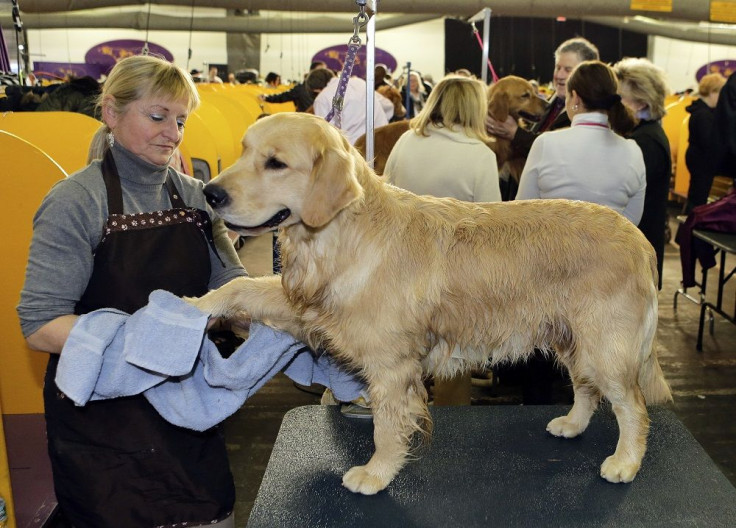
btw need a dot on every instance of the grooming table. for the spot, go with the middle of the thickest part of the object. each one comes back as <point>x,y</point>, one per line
<point>491,466</point>
<point>723,243</point>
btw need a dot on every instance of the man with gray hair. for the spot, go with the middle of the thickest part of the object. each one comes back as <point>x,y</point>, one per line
<point>567,56</point>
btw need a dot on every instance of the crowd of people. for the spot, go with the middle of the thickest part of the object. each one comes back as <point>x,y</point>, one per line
<point>99,241</point>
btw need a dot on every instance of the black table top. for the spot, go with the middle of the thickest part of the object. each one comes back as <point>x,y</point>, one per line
<point>491,466</point>
<point>725,241</point>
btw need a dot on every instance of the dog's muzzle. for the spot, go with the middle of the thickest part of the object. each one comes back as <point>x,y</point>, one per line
<point>274,221</point>
<point>216,196</point>
<point>529,117</point>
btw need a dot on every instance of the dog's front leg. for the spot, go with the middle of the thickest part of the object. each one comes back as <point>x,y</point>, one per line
<point>399,406</point>
<point>263,298</point>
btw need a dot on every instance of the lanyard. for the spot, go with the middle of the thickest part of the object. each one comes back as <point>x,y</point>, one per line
<point>591,123</point>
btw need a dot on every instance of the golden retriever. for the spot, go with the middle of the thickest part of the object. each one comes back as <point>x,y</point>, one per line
<point>509,96</point>
<point>393,95</point>
<point>398,286</point>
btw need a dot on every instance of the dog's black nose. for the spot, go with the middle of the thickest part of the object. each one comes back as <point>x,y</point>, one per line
<point>216,196</point>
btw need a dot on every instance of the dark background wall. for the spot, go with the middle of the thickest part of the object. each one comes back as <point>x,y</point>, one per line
<point>525,46</point>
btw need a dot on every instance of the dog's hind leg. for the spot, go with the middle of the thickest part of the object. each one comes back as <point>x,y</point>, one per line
<point>633,424</point>
<point>399,405</point>
<point>576,421</point>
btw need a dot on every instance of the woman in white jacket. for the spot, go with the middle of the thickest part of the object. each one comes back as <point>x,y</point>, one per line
<point>445,154</point>
<point>591,160</point>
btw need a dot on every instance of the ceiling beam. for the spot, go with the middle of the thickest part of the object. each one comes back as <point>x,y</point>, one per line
<point>682,9</point>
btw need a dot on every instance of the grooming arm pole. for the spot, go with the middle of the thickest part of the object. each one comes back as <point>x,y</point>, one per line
<point>484,15</point>
<point>370,81</point>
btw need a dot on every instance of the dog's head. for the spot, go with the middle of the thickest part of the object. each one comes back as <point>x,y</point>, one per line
<point>393,95</point>
<point>514,96</point>
<point>294,168</point>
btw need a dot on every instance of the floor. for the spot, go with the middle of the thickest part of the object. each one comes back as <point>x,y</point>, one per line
<point>703,383</point>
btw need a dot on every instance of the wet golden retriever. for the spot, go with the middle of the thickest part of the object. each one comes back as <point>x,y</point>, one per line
<point>397,286</point>
<point>509,96</point>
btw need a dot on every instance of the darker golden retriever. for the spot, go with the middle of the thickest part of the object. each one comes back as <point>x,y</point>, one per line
<point>397,286</point>
<point>510,96</point>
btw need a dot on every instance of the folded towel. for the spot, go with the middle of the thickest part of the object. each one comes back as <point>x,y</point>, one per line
<point>162,352</point>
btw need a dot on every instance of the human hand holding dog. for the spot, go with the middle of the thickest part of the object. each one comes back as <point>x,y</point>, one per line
<point>502,129</point>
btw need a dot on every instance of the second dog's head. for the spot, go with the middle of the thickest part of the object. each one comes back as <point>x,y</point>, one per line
<point>294,168</point>
<point>514,96</point>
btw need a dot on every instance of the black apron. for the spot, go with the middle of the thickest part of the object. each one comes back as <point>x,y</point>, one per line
<point>117,463</point>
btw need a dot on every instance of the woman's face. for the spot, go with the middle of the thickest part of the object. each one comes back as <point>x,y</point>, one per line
<point>151,127</point>
<point>414,83</point>
<point>628,100</point>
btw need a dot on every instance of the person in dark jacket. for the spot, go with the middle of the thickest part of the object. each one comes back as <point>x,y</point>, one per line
<point>723,139</point>
<point>567,56</point>
<point>699,163</point>
<point>299,95</point>
<point>643,88</point>
<point>78,94</point>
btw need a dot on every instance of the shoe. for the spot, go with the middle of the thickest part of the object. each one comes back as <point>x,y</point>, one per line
<point>358,408</point>
<point>482,378</point>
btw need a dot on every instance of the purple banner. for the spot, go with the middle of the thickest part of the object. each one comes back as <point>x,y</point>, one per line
<point>108,53</point>
<point>334,57</point>
<point>63,70</point>
<point>724,67</point>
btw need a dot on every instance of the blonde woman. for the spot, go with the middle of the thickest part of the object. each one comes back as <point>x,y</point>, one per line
<point>105,238</point>
<point>643,88</point>
<point>417,93</point>
<point>444,154</point>
<point>697,159</point>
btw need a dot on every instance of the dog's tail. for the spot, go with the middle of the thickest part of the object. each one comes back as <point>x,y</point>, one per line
<point>651,378</point>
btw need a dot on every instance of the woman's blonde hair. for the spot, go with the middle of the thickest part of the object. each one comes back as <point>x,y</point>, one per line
<point>645,82</point>
<point>713,82</point>
<point>138,77</point>
<point>455,101</point>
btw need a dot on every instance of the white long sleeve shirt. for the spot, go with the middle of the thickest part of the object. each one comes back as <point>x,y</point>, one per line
<point>446,164</point>
<point>353,111</point>
<point>588,162</point>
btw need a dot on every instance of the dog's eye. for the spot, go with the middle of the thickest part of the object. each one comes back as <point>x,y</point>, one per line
<point>274,164</point>
<point>526,95</point>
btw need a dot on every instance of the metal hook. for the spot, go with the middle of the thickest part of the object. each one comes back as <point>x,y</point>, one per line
<point>359,22</point>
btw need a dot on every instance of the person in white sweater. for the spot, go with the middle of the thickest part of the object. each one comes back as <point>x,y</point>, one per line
<point>591,160</point>
<point>324,85</point>
<point>444,154</point>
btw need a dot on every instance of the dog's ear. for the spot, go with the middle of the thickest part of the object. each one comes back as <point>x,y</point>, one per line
<point>498,104</point>
<point>333,183</point>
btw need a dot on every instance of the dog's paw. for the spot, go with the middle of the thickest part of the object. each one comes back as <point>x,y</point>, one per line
<point>358,480</point>
<point>563,426</point>
<point>615,470</point>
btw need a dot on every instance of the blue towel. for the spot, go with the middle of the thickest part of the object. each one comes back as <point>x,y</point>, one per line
<point>162,352</point>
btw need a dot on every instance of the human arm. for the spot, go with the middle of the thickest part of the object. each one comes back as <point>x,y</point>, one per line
<point>66,229</point>
<point>635,206</point>
<point>286,96</point>
<point>52,336</point>
<point>699,128</point>
<point>529,180</point>
<point>487,188</point>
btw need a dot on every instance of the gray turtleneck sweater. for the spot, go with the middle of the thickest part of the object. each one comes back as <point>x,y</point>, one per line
<point>68,227</point>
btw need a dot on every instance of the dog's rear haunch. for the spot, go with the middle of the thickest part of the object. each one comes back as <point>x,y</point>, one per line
<point>398,286</point>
